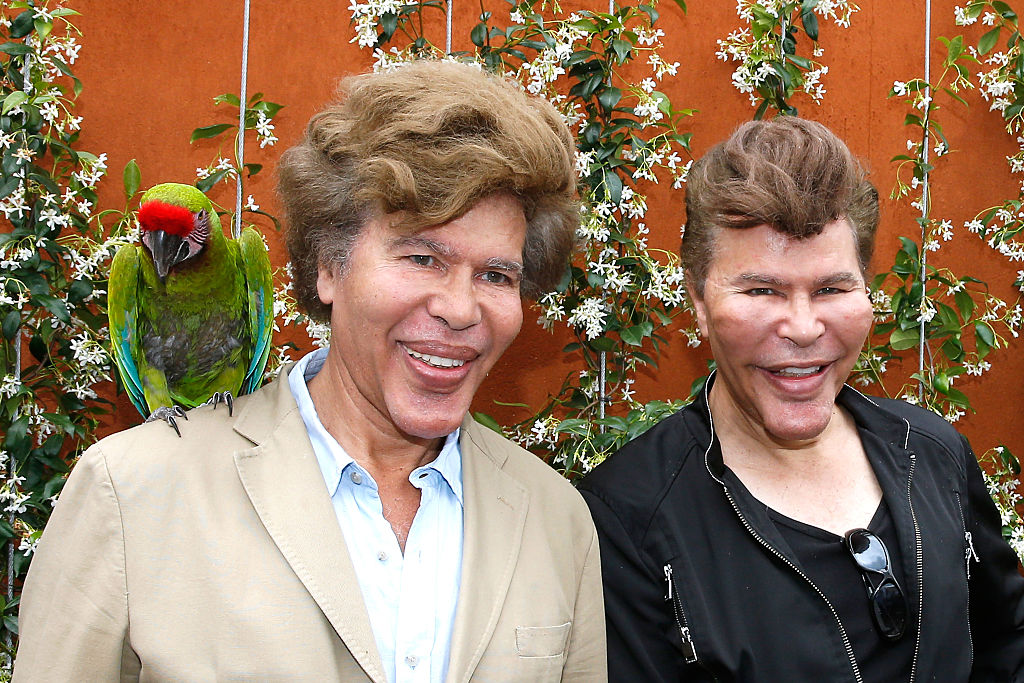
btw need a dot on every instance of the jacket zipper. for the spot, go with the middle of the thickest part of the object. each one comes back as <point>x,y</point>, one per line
<point>920,566</point>
<point>968,552</point>
<point>766,545</point>
<point>689,651</point>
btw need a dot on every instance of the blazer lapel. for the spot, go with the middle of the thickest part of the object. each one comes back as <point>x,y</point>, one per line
<point>282,479</point>
<point>494,519</point>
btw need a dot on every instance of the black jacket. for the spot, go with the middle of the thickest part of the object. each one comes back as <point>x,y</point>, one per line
<point>700,586</point>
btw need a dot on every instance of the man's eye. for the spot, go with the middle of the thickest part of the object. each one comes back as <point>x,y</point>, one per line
<point>830,290</point>
<point>496,277</point>
<point>759,291</point>
<point>422,259</point>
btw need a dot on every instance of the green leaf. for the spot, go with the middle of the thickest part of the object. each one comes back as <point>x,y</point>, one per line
<point>15,48</point>
<point>810,22</point>
<point>609,97</point>
<point>622,48</point>
<point>984,333</point>
<point>613,186</point>
<point>227,98</point>
<point>633,336</point>
<point>1004,10</point>
<point>132,178</point>
<point>11,324</point>
<point>602,344</point>
<point>78,290</point>
<point>487,421</point>
<point>54,306</point>
<point>23,24</point>
<point>209,131</point>
<point>479,34</point>
<point>13,100</point>
<point>388,24</point>
<point>204,184</point>
<point>988,41</point>
<point>901,340</point>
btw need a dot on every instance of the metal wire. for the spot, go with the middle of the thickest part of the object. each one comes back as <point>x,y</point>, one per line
<point>925,197</point>
<point>448,27</point>
<point>236,226</point>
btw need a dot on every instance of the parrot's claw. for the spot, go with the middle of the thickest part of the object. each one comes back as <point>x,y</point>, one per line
<point>167,414</point>
<point>223,397</point>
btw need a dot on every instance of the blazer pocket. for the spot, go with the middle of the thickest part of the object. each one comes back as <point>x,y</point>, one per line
<point>542,641</point>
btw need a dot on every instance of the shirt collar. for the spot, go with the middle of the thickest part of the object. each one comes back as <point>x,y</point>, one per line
<point>332,458</point>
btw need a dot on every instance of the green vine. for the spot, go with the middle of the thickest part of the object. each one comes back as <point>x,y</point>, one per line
<point>619,296</point>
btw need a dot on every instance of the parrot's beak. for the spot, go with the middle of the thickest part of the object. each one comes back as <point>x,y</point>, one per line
<point>164,248</point>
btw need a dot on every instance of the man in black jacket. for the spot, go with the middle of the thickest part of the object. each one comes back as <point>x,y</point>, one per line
<point>785,527</point>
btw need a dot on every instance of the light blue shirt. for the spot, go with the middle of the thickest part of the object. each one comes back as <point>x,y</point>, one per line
<point>411,599</point>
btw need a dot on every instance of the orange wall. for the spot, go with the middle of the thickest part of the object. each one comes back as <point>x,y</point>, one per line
<point>151,68</point>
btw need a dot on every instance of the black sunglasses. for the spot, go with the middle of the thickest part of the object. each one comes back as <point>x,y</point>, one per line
<point>888,603</point>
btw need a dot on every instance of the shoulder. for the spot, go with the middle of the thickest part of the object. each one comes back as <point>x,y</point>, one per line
<point>916,420</point>
<point>649,464</point>
<point>907,425</point>
<point>542,482</point>
<point>153,452</point>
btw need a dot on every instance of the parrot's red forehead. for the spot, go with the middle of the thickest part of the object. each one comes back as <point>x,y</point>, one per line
<point>159,215</point>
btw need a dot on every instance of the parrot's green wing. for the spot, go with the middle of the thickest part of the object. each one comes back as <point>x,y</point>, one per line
<point>259,287</point>
<point>122,310</point>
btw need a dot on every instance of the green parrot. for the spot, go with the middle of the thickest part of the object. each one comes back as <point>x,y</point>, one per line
<point>191,312</point>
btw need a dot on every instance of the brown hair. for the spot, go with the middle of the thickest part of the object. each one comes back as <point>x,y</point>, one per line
<point>792,174</point>
<point>429,139</point>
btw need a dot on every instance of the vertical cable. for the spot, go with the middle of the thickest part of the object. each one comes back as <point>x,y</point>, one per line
<point>448,27</point>
<point>236,226</point>
<point>602,386</point>
<point>925,194</point>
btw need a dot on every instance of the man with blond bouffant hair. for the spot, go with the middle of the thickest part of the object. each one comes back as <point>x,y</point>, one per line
<point>351,522</point>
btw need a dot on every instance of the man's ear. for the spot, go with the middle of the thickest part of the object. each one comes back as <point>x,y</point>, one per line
<point>327,282</point>
<point>699,309</point>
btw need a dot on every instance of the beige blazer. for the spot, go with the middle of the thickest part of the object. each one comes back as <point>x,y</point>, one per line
<point>218,557</point>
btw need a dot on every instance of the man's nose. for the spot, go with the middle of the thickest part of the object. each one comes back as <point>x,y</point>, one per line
<point>456,302</point>
<point>802,323</point>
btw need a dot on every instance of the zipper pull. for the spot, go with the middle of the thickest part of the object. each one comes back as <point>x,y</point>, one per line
<point>668,580</point>
<point>689,651</point>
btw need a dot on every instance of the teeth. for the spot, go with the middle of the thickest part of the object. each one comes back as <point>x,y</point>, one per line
<point>436,361</point>
<point>798,372</point>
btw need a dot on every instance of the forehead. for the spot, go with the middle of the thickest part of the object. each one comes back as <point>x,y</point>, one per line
<point>495,226</point>
<point>763,248</point>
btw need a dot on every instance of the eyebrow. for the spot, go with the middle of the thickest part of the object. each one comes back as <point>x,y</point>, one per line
<point>503,264</point>
<point>429,244</point>
<point>514,267</point>
<point>827,281</point>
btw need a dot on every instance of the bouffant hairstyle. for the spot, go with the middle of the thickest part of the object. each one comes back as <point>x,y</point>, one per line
<point>792,174</point>
<point>428,139</point>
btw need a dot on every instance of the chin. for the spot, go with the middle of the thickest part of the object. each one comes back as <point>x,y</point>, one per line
<point>424,425</point>
<point>802,427</point>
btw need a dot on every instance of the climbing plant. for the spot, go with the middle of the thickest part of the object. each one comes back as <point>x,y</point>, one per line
<point>619,295</point>
<point>52,256</point>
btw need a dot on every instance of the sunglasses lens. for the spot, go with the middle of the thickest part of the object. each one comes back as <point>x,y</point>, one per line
<point>890,610</point>
<point>868,551</point>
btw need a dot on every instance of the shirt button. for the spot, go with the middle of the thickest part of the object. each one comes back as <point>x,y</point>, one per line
<point>382,556</point>
<point>412,661</point>
<point>356,478</point>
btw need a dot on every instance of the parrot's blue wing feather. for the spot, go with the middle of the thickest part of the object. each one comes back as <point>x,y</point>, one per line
<point>123,312</point>
<point>260,292</point>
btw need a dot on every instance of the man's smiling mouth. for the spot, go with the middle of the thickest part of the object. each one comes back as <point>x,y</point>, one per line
<point>435,361</point>
<point>797,372</point>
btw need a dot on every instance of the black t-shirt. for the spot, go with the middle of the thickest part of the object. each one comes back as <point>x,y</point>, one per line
<point>828,563</point>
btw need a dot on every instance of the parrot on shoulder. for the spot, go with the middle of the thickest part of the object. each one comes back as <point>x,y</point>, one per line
<point>191,312</point>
